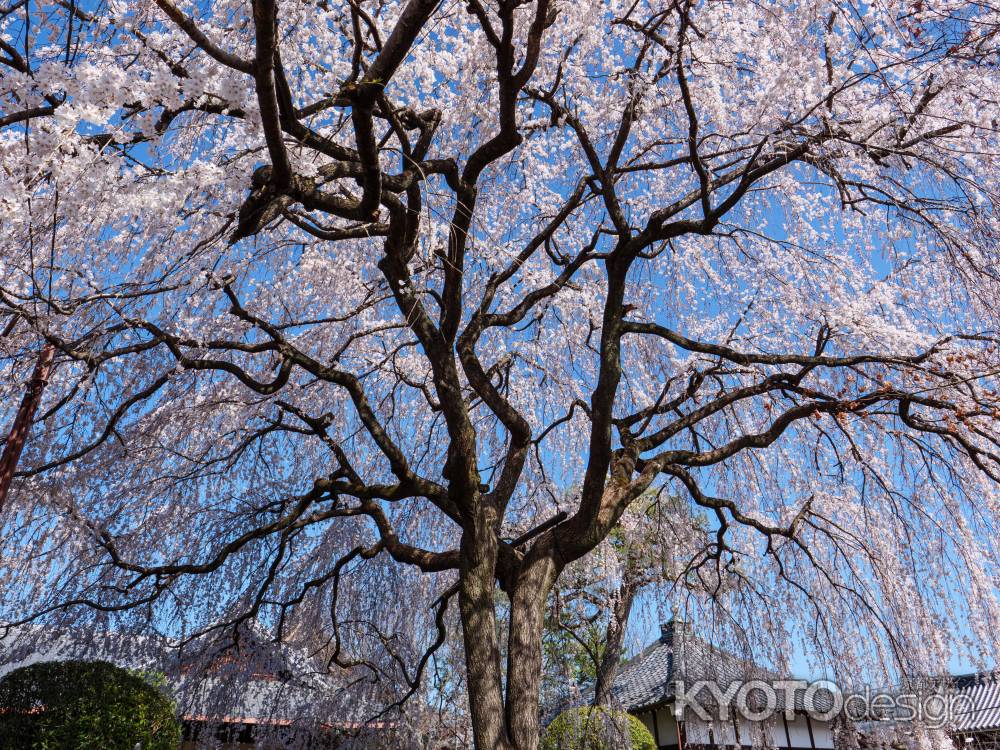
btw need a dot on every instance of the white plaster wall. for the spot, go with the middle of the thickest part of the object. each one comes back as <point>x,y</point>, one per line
<point>822,733</point>
<point>775,728</point>
<point>798,732</point>
<point>695,731</point>
<point>724,732</point>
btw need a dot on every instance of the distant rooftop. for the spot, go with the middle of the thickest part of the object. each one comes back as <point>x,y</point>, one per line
<point>981,711</point>
<point>264,683</point>
<point>649,679</point>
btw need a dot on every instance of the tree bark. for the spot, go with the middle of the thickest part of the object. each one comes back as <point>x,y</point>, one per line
<point>504,716</point>
<point>524,654</point>
<point>479,631</point>
<point>607,668</point>
<point>22,422</point>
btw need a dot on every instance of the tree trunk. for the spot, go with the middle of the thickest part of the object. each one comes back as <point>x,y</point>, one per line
<point>22,422</point>
<point>503,721</point>
<point>524,654</point>
<point>607,669</point>
<point>479,632</point>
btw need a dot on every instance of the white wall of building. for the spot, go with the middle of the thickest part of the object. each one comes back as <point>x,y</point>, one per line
<point>727,734</point>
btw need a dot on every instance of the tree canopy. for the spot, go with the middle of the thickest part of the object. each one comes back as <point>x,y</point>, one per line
<point>341,298</point>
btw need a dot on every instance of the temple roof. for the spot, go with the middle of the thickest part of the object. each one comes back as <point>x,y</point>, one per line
<point>650,678</point>
<point>980,709</point>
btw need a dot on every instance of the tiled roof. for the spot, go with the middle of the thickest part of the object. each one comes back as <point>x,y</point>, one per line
<point>979,710</point>
<point>650,678</point>
<point>646,679</point>
<point>271,683</point>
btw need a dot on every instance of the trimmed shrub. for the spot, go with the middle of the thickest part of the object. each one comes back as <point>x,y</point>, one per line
<point>65,705</point>
<point>599,728</point>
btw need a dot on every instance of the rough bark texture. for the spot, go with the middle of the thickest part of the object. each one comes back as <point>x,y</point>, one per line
<point>611,657</point>
<point>524,660</point>
<point>479,632</point>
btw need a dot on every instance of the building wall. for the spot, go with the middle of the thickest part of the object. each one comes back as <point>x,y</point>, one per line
<point>799,732</point>
<point>803,733</point>
<point>662,725</point>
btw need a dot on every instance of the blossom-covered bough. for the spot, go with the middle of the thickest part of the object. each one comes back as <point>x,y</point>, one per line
<point>340,292</point>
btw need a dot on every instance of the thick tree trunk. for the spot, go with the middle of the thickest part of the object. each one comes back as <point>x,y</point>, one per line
<point>503,720</point>
<point>479,631</point>
<point>524,655</point>
<point>607,669</point>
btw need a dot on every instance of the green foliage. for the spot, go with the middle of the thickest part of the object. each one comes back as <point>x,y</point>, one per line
<point>599,728</point>
<point>72,705</point>
<point>575,655</point>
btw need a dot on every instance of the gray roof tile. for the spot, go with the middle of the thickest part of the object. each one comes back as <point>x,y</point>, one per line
<point>650,678</point>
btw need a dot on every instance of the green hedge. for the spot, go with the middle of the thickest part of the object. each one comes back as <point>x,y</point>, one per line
<point>72,705</point>
<point>596,729</point>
